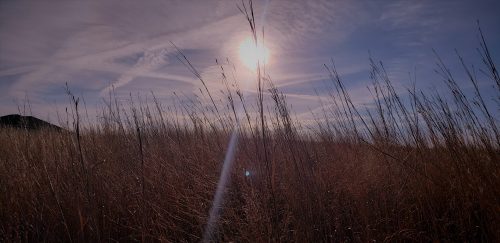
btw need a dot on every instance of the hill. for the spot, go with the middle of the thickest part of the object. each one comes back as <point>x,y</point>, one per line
<point>26,122</point>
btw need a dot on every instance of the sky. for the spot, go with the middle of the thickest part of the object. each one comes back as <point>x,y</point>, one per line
<point>127,44</point>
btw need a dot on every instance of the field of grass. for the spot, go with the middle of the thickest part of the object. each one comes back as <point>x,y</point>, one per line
<point>416,167</point>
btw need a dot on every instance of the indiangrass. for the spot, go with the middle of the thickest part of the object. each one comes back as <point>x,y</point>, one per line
<point>415,167</point>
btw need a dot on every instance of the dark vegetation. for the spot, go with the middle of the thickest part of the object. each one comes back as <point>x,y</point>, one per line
<point>416,167</point>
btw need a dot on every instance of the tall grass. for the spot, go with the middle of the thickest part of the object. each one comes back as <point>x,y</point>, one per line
<point>417,166</point>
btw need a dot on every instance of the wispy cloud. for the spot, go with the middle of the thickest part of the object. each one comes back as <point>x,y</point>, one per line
<point>152,59</point>
<point>119,42</point>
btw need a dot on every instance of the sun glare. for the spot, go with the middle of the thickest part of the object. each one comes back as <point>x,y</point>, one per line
<point>251,54</point>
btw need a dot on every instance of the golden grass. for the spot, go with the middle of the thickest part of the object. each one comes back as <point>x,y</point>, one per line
<point>417,167</point>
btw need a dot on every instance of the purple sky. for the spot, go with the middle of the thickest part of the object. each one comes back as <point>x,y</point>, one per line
<point>93,44</point>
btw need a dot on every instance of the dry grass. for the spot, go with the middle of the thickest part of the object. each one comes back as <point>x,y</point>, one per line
<point>417,167</point>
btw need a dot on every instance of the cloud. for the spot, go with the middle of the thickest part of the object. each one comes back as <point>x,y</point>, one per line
<point>120,42</point>
<point>149,61</point>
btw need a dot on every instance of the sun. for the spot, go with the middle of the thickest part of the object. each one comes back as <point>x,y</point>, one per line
<point>251,54</point>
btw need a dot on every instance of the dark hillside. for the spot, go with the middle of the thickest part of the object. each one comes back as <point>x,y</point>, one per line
<point>25,122</point>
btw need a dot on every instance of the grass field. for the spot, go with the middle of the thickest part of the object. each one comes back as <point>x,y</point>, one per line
<point>415,167</point>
